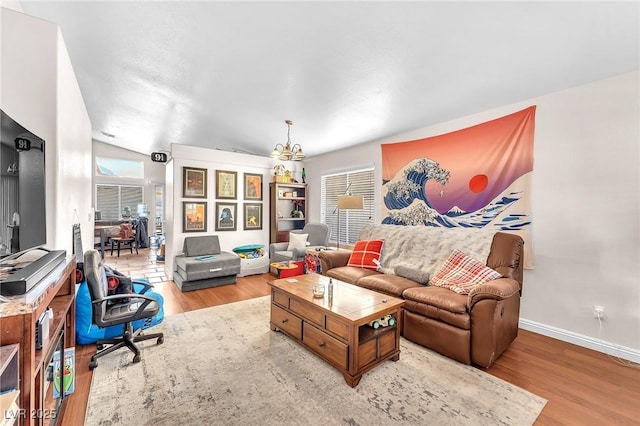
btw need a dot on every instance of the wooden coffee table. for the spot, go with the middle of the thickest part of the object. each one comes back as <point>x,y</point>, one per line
<point>337,329</point>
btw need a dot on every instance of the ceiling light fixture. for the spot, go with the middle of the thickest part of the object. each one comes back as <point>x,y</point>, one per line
<point>288,152</point>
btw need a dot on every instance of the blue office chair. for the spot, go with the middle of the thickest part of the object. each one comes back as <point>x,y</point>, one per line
<point>116,310</point>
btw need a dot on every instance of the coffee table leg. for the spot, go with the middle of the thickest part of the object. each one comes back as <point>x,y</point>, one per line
<point>351,381</point>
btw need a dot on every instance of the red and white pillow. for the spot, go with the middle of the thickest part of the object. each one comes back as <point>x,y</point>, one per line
<point>364,253</point>
<point>461,273</point>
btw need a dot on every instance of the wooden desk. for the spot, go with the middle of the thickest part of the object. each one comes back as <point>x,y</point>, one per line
<point>101,229</point>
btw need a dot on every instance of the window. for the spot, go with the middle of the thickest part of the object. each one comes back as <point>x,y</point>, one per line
<point>111,199</point>
<point>357,182</point>
<point>118,167</point>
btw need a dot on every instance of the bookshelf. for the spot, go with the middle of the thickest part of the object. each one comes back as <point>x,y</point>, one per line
<point>285,198</point>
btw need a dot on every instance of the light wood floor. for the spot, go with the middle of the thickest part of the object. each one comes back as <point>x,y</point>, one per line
<point>583,387</point>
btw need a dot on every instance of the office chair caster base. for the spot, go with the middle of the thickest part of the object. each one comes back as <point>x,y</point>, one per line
<point>136,358</point>
<point>93,364</point>
<point>160,340</point>
<point>99,347</point>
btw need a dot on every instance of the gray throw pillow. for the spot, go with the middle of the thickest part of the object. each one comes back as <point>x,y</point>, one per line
<point>412,274</point>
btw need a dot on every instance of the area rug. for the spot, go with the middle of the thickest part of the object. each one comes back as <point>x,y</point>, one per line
<point>223,365</point>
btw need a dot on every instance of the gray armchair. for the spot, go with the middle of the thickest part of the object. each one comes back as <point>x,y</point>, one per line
<point>318,237</point>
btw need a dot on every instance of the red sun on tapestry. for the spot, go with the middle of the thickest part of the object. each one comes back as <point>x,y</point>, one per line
<point>478,183</point>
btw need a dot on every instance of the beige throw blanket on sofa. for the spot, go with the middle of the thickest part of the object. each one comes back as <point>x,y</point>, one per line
<point>426,247</point>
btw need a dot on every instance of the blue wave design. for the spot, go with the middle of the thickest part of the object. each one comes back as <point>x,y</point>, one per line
<point>404,193</point>
<point>415,185</point>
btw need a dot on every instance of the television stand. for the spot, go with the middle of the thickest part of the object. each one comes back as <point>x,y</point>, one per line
<point>19,318</point>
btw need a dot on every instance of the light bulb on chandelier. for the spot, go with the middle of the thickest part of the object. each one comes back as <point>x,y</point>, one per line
<point>288,152</point>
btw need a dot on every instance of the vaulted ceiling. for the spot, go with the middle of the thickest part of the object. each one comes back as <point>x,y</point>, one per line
<point>226,75</point>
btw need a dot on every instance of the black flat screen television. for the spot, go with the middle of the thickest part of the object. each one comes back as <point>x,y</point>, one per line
<point>23,213</point>
<point>23,209</point>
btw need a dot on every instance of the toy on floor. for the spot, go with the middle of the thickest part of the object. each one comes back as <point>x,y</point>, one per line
<point>249,251</point>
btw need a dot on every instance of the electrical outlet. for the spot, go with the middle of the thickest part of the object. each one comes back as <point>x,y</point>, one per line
<point>598,312</point>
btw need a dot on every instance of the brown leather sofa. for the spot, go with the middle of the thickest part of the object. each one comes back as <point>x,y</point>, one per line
<point>474,328</point>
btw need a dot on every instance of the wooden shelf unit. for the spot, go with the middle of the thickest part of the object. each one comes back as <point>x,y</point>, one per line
<point>282,197</point>
<point>9,383</point>
<point>18,325</point>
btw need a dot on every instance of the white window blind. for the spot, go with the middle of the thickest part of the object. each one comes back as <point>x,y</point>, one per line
<point>110,199</point>
<point>358,182</point>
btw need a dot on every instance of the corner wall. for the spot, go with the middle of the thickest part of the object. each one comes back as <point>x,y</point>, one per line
<point>40,91</point>
<point>212,160</point>
<point>154,174</point>
<point>586,209</point>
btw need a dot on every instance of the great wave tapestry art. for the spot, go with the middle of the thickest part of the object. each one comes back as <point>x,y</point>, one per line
<point>477,177</point>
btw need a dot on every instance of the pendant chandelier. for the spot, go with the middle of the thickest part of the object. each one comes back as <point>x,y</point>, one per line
<point>288,152</point>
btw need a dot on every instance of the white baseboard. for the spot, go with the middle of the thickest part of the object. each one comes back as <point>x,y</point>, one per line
<point>580,340</point>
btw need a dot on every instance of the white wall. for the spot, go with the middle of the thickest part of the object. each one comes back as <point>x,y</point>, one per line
<point>39,90</point>
<point>586,209</point>
<point>154,174</point>
<point>212,160</point>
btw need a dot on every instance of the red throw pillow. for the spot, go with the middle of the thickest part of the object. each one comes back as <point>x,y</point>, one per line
<point>364,253</point>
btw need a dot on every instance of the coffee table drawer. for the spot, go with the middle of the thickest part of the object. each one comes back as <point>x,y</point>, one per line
<point>326,346</point>
<point>281,298</point>
<point>286,321</point>
<point>308,312</point>
<point>338,328</point>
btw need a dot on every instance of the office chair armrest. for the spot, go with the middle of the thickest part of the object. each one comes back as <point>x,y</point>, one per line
<point>146,286</point>
<point>146,300</point>
<point>118,297</point>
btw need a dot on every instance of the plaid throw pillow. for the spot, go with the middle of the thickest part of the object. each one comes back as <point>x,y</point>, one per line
<point>461,273</point>
<point>364,253</point>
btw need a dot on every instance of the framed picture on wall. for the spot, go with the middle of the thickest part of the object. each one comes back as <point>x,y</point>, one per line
<point>226,184</point>
<point>194,182</point>
<point>226,216</point>
<point>252,216</point>
<point>252,186</point>
<point>194,216</point>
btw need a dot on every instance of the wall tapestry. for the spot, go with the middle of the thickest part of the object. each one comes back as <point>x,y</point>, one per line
<point>478,177</point>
